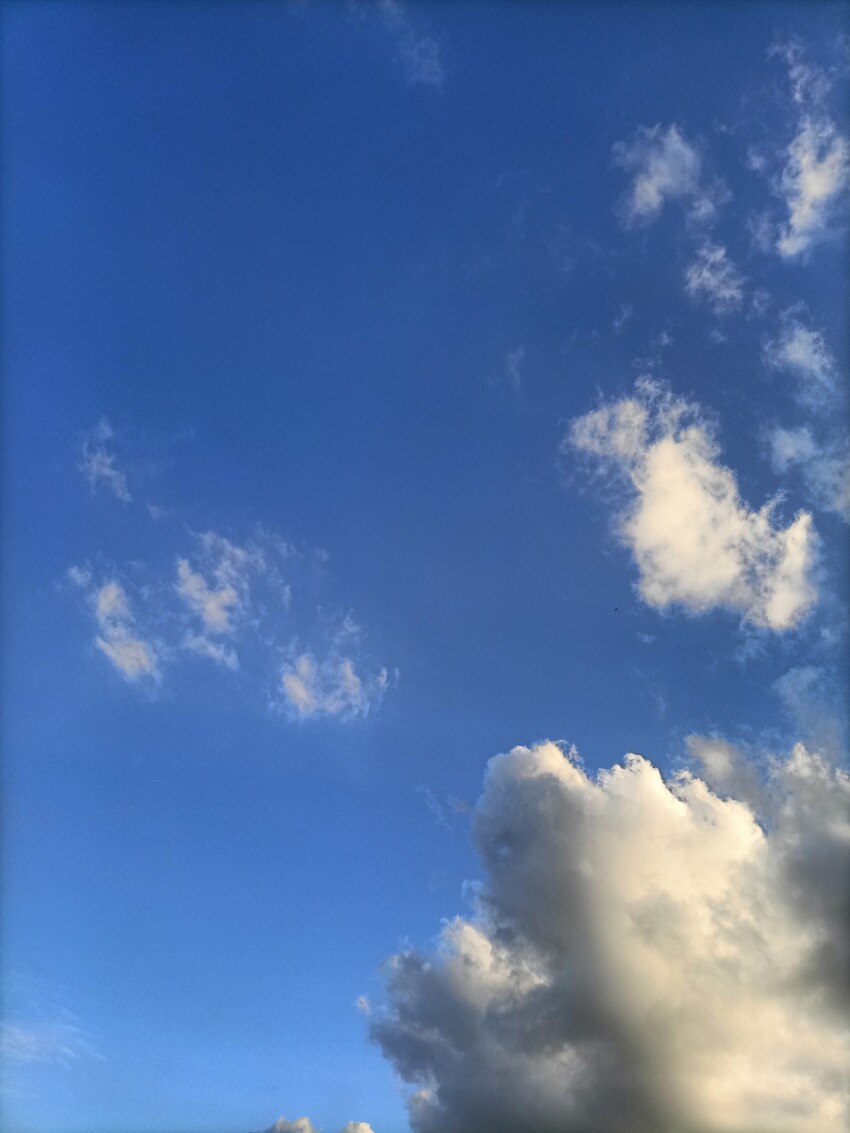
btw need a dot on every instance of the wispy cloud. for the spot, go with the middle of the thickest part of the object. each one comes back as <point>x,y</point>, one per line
<point>714,278</point>
<point>514,361</point>
<point>99,462</point>
<point>417,55</point>
<point>825,468</point>
<point>815,175</point>
<point>643,954</point>
<point>695,542</point>
<point>801,351</point>
<point>667,167</point>
<point>117,635</point>
<point>330,687</point>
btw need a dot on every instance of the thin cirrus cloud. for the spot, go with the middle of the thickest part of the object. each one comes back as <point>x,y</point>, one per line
<point>99,463</point>
<point>696,543</point>
<point>667,168</point>
<point>713,278</point>
<point>642,954</point>
<point>417,56</point>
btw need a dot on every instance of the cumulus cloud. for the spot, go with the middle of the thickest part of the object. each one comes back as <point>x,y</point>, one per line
<point>99,464</point>
<point>643,955</point>
<point>696,543</point>
<point>118,637</point>
<point>802,352</point>
<point>666,167</point>
<point>714,278</point>
<point>331,687</point>
<point>305,1125</point>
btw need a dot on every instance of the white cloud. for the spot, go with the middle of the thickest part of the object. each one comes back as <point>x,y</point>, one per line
<point>825,468</point>
<point>643,955</point>
<point>99,464</point>
<point>695,542</point>
<point>214,650</point>
<point>117,637</point>
<point>305,1125</point>
<point>331,687</point>
<point>713,277</point>
<point>816,174</point>
<point>666,168</point>
<point>58,1041</point>
<point>816,164</point>
<point>221,604</point>
<point>803,352</point>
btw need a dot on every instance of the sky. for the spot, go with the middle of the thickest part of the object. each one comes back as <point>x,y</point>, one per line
<point>425,508</point>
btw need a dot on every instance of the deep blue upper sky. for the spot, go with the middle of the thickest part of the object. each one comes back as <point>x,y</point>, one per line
<point>346,274</point>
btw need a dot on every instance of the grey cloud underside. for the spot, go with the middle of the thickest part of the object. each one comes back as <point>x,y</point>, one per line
<point>643,956</point>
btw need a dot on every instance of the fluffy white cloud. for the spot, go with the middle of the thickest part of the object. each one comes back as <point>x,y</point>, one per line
<point>331,687</point>
<point>117,637</point>
<point>305,1125</point>
<point>825,468</point>
<point>666,168</point>
<point>99,464</point>
<point>696,543</point>
<point>803,352</point>
<point>643,955</point>
<point>714,278</point>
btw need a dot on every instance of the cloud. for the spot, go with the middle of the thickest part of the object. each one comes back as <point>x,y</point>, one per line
<point>695,542</point>
<point>221,604</point>
<point>117,637</point>
<point>214,650</point>
<point>331,687</point>
<point>666,168</point>
<point>713,277</point>
<point>417,55</point>
<point>99,464</point>
<point>58,1041</point>
<point>803,352</point>
<point>816,164</point>
<point>514,360</point>
<point>305,1125</point>
<point>643,954</point>
<point>825,468</point>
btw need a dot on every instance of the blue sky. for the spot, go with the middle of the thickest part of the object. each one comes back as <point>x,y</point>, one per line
<point>387,386</point>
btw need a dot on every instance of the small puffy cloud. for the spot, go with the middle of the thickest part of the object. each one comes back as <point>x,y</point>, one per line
<point>305,1125</point>
<point>666,167</point>
<point>713,278</point>
<point>117,637</point>
<point>331,687</point>
<point>802,352</point>
<point>99,464</point>
<point>643,954</point>
<point>696,543</point>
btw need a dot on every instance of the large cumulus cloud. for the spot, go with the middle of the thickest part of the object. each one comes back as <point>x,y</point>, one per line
<point>644,955</point>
